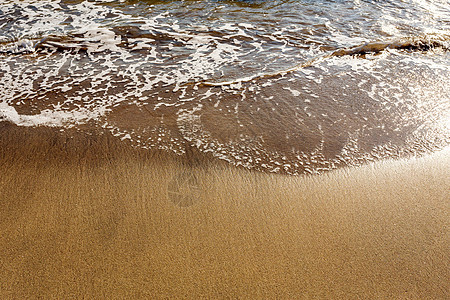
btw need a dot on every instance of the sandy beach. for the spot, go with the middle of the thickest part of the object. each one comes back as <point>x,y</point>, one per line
<point>224,149</point>
<point>86,216</point>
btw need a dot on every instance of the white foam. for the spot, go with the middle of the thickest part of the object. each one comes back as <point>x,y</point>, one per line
<point>295,93</point>
<point>51,118</point>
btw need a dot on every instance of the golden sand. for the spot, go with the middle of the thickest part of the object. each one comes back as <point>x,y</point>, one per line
<point>90,217</point>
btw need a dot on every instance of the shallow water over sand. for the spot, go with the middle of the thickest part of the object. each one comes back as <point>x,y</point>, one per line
<point>280,86</point>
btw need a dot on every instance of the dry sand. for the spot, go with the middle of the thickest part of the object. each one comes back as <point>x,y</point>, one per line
<point>90,217</point>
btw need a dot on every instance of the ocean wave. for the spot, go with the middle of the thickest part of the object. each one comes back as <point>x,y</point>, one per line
<point>423,43</point>
<point>292,89</point>
<point>420,44</point>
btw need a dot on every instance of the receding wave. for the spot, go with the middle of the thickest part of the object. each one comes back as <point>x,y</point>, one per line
<point>291,88</point>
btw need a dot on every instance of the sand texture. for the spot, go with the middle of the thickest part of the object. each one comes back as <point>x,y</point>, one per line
<point>86,216</point>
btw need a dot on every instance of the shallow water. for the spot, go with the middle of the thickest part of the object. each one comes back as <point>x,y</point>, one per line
<point>279,86</point>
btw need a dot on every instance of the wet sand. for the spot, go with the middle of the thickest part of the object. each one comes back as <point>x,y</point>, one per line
<point>87,216</point>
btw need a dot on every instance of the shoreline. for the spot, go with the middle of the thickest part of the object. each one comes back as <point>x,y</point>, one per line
<point>87,216</point>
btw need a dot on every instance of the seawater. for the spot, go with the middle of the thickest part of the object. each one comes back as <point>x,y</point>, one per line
<point>280,86</point>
